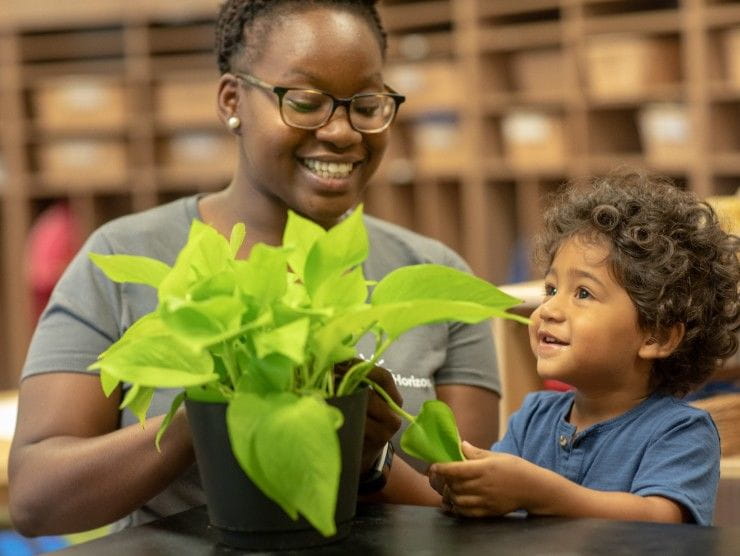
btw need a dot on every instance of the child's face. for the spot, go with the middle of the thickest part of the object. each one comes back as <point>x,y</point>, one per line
<point>585,332</point>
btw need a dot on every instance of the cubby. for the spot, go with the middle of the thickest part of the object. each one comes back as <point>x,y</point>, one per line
<point>507,99</point>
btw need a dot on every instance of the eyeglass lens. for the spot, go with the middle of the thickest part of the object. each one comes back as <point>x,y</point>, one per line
<point>311,109</point>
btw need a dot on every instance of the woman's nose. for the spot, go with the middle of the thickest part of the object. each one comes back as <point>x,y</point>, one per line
<point>338,130</point>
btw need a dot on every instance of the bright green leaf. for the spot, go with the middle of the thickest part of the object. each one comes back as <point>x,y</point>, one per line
<point>342,247</point>
<point>131,268</point>
<point>288,340</point>
<point>300,235</point>
<point>138,399</point>
<point>236,239</point>
<point>201,321</point>
<point>342,290</point>
<point>165,424</point>
<point>295,438</point>
<point>109,383</point>
<point>159,362</point>
<point>433,435</point>
<point>264,275</point>
<point>432,281</point>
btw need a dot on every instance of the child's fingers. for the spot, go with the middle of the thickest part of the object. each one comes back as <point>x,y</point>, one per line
<point>458,470</point>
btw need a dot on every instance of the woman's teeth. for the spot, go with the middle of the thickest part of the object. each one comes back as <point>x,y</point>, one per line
<point>329,170</point>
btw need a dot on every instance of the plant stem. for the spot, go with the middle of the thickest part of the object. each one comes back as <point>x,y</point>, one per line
<point>230,363</point>
<point>392,404</point>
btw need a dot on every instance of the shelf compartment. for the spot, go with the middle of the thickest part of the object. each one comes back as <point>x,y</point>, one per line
<point>420,46</point>
<point>504,10</point>
<point>722,15</point>
<point>665,135</point>
<point>500,238</point>
<point>79,103</point>
<point>725,136</point>
<point>613,132</point>
<point>81,164</point>
<point>186,37</point>
<point>417,15</point>
<point>71,13</point>
<point>534,140</point>
<point>429,86</point>
<point>59,45</point>
<point>186,100</point>
<point>656,16</point>
<point>175,10</point>
<point>629,65</point>
<point>191,157</point>
<point>516,37</point>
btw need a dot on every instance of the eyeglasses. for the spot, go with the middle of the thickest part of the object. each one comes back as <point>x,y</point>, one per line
<point>311,109</point>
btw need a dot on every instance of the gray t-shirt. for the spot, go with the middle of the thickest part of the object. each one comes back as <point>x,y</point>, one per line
<point>87,312</point>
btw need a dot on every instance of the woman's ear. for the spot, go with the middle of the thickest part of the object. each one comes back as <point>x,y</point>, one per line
<point>659,345</point>
<point>228,99</point>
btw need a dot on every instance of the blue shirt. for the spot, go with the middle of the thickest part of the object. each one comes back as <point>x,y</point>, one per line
<point>661,447</point>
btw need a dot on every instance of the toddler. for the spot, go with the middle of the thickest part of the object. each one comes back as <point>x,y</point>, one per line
<point>640,304</point>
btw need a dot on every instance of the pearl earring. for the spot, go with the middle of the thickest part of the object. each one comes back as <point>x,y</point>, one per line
<point>233,122</point>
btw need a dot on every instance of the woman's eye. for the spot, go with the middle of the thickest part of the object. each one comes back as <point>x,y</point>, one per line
<point>583,294</point>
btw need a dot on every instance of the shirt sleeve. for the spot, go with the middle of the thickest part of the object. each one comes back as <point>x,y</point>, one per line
<point>81,318</point>
<point>682,463</point>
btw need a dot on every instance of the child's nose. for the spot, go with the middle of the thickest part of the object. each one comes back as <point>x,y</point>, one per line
<point>551,308</point>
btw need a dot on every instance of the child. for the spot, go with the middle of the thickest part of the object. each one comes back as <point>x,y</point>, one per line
<point>640,304</point>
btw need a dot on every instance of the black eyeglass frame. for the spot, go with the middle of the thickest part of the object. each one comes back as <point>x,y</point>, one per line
<point>346,102</point>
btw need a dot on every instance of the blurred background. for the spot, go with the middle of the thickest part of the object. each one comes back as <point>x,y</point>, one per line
<point>108,107</point>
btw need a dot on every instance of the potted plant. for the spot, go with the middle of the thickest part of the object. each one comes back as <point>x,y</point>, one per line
<point>260,338</point>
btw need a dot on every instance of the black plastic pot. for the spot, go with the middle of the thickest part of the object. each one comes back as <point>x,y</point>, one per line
<point>239,514</point>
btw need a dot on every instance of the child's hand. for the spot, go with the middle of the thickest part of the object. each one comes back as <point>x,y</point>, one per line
<point>486,484</point>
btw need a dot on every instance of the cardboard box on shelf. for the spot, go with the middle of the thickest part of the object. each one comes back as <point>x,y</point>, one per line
<point>539,71</point>
<point>627,65</point>
<point>198,153</point>
<point>438,143</point>
<point>429,86</point>
<point>533,140</point>
<point>183,103</point>
<point>80,103</point>
<point>78,163</point>
<point>665,133</point>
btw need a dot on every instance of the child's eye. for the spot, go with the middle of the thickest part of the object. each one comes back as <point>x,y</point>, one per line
<point>582,293</point>
<point>550,290</point>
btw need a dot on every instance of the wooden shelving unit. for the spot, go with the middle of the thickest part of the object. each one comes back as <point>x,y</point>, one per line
<point>507,99</point>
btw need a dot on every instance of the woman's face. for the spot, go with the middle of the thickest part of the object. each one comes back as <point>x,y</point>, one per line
<point>321,48</point>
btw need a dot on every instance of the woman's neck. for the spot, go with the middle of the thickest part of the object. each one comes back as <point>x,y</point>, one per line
<point>265,221</point>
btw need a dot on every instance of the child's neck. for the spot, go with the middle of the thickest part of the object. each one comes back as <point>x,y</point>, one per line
<point>591,409</point>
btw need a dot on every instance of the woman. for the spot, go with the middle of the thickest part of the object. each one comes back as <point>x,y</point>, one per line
<point>76,461</point>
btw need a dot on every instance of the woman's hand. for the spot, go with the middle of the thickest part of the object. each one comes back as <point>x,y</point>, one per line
<point>381,423</point>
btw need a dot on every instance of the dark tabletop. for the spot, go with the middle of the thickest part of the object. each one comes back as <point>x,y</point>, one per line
<point>389,530</point>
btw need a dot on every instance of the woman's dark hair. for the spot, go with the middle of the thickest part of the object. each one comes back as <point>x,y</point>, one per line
<point>670,254</point>
<point>243,25</point>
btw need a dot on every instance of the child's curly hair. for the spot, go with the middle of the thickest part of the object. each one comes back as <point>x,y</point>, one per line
<point>672,257</point>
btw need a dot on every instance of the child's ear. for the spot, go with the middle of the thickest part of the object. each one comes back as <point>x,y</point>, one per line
<point>661,345</point>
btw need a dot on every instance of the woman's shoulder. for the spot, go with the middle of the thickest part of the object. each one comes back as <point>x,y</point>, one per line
<point>161,230</point>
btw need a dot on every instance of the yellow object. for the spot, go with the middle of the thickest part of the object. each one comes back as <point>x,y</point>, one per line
<point>728,209</point>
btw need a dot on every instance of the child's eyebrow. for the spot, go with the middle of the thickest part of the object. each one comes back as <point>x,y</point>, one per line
<point>580,273</point>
